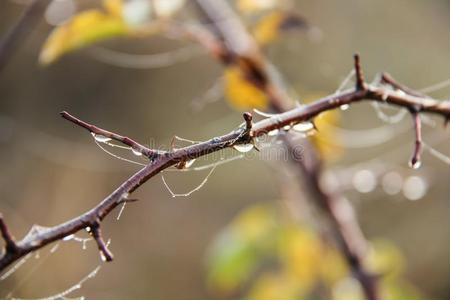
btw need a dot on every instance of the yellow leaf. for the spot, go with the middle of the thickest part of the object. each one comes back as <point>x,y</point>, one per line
<point>84,29</point>
<point>385,258</point>
<point>266,31</point>
<point>271,25</point>
<point>300,253</point>
<point>255,6</point>
<point>242,94</point>
<point>114,7</point>
<point>276,287</point>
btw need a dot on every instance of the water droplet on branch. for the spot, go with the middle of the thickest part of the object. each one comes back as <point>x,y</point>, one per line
<point>345,107</point>
<point>101,138</point>
<point>189,163</point>
<point>415,165</point>
<point>243,148</point>
<point>136,152</point>
<point>303,127</point>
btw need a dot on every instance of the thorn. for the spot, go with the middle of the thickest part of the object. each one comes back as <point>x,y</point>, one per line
<point>415,159</point>
<point>97,235</point>
<point>11,245</point>
<point>248,120</point>
<point>360,85</point>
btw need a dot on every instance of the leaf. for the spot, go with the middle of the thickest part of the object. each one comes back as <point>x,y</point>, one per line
<point>276,286</point>
<point>85,28</point>
<point>240,248</point>
<point>256,6</point>
<point>300,254</point>
<point>385,259</point>
<point>242,94</point>
<point>269,27</point>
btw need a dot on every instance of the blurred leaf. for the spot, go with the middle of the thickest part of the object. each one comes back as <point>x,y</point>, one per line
<point>256,6</point>
<point>239,249</point>
<point>83,29</point>
<point>279,286</point>
<point>300,254</point>
<point>399,290</point>
<point>333,267</point>
<point>268,29</point>
<point>385,259</point>
<point>242,94</point>
<point>114,7</point>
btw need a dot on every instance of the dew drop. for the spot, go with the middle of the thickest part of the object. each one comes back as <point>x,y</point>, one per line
<point>303,127</point>
<point>415,188</point>
<point>88,229</point>
<point>364,181</point>
<point>102,256</point>
<point>392,183</point>
<point>101,138</point>
<point>136,152</point>
<point>189,163</point>
<point>287,127</point>
<point>68,238</point>
<point>243,148</point>
<point>345,107</point>
<point>273,132</point>
<point>416,165</point>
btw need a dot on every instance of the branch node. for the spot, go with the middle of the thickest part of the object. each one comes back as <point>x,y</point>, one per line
<point>97,235</point>
<point>10,243</point>
<point>360,83</point>
<point>415,159</point>
<point>248,120</point>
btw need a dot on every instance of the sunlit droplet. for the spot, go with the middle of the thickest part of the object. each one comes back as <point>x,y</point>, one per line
<point>189,163</point>
<point>287,127</point>
<point>102,256</point>
<point>392,183</point>
<point>345,107</point>
<point>273,132</point>
<point>303,127</point>
<point>416,165</point>
<point>68,238</point>
<point>136,152</point>
<point>243,148</point>
<point>88,229</point>
<point>101,138</point>
<point>415,188</point>
<point>364,181</point>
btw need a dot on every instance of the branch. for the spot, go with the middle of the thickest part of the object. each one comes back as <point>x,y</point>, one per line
<point>17,33</point>
<point>102,135</point>
<point>165,159</point>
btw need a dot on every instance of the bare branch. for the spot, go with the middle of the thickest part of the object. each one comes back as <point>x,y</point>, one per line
<point>10,243</point>
<point>97,235</point>
<point>93,217</point>
<point>415,159</point>
<point>100,134</point>
<point>360,84</point>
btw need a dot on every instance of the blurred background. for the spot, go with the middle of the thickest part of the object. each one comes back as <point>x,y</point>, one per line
<point>53,171</point>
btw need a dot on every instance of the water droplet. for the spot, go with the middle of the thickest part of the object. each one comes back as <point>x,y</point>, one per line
<point>392,183</point>
<point>77,287</point>
<point>68,238</point>
<point>364,181</point>
<point>136,152</point>
<point>415,188</point>
<point>243,148</point>
<point>88,229</point>
<point>273,132</point>
<point>303,127</point>
<point>415,165</point>
<point>345,107</point>
<point>189,163</point>
<point>101,138</point>
<point>287,127</point>
<point>102,256</point>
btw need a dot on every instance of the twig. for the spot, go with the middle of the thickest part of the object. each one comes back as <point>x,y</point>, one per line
<point>99,133</point>
<point>165,160</point>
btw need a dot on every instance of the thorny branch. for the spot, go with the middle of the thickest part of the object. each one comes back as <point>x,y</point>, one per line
<point>162,160</point>
<point>234,46</point>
